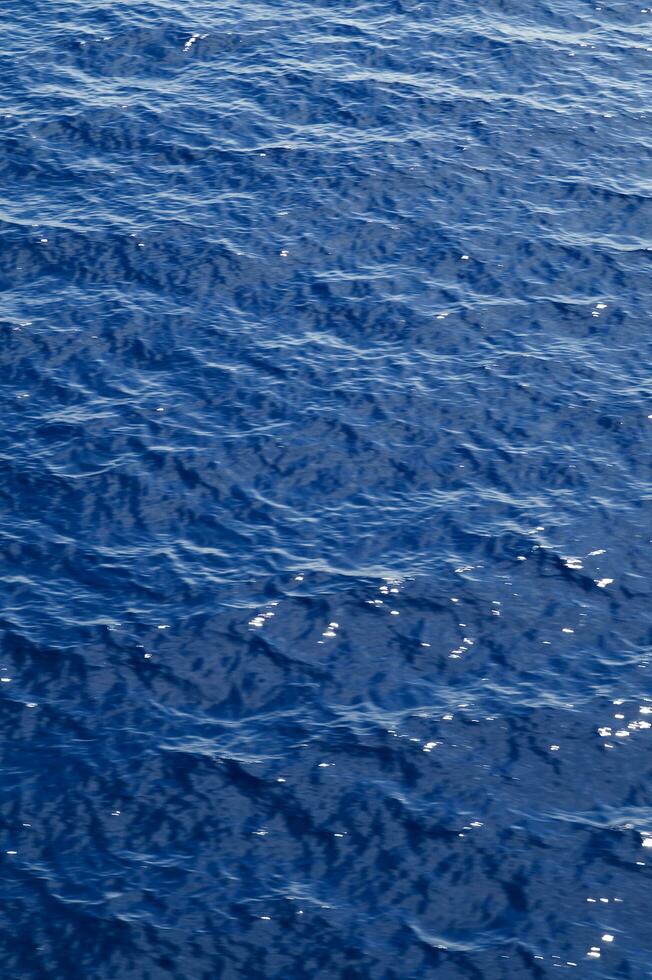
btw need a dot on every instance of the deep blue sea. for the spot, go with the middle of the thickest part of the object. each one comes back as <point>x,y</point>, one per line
<point>325,490</point>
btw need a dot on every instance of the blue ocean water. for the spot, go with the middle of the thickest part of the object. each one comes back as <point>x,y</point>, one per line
<point>325,490</point>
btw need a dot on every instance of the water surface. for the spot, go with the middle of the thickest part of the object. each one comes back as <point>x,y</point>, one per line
<point>325,490</point>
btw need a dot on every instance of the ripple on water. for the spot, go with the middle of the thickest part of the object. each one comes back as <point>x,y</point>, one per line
<point>325,480</point>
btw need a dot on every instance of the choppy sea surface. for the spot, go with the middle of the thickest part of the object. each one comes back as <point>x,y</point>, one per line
<point>326,490</point>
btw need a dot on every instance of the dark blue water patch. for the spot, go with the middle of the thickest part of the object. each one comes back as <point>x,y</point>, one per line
<point>325,490</point>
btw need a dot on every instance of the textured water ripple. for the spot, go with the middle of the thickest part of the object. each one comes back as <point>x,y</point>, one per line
<point>325,483</point>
